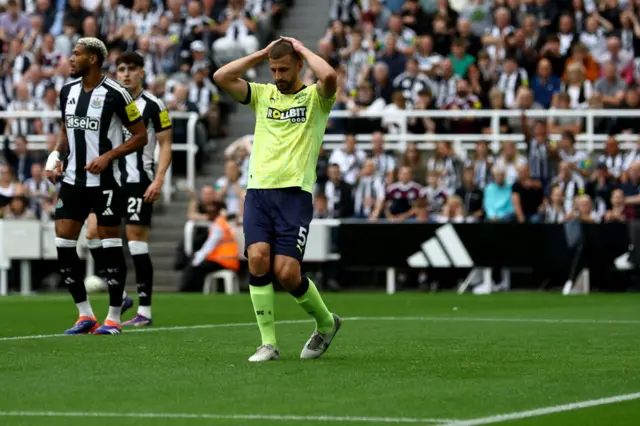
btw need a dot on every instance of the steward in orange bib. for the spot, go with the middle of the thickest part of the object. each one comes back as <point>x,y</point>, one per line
<point>220,251</point>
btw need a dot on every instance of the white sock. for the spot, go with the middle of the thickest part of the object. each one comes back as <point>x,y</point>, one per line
<point>124,295</point>
<point>84,309</point>
<point>114,314</point>
<point>145,311</point>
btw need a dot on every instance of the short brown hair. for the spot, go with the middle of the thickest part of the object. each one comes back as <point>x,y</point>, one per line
<point>283,48</point>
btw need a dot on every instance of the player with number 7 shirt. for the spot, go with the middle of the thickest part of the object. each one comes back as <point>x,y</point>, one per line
<point>290,122</point>
<point>142,185</point>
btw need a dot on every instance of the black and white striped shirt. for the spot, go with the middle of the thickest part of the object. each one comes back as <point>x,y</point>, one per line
<point>554,215</point>
<point>571,188</point>
<point>49,125</point>
<point>615,163</point>
<point>139,165</point>
<point>510,83</point>
<point>22,126</point>
<point>369,188</point>
<point>579,95</point>
<point>203,96</point>
<point>94,122</point>
<point>447,89</point>
<point>538,157</point>
<point>411,85</point>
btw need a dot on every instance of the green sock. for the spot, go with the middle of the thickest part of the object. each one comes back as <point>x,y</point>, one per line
<point>313,304</point>
<point>263,299</point>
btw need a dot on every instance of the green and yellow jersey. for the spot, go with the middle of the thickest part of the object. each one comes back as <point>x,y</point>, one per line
<point>288,136</point>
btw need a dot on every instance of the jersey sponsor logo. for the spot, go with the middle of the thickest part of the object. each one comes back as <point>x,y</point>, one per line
<point>295,114</point>
<point>165,121</point>
<point>96,103</point>
<point>83,123</point>
<point>132,111</point>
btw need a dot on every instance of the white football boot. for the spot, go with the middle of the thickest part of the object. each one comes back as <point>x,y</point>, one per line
<point>319,343</point>
<point>265,353</point>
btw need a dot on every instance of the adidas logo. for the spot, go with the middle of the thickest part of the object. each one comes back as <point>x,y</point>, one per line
<point>71,101</point>
<point>442,251</point>
<point>142,294</point>
<point>134,217</point>
<point>107,212</point>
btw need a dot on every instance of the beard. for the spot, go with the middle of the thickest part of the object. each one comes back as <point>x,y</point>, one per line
<point>284,86</point>
<point>79,73</point>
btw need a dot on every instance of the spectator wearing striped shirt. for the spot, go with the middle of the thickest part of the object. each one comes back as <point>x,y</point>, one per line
<point>612,157</point>
<point>601,188</point>
<point>410,82</point>
<point>539,152</point>
<point>554,210</point>
<point>358,60</point>
<point>578,159</point>
<point>369,193</point>
<point>571,185</point>
<point>511,79</point>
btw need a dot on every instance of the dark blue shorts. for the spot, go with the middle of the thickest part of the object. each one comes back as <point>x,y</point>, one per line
<point>279,217</point>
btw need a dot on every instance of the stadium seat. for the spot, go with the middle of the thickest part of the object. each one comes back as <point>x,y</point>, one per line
<point>229,278</point>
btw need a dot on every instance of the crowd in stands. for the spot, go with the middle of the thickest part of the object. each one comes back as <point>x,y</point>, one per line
<point>469,55</point>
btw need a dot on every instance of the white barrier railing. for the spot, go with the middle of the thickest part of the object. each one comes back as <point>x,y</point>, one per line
<point>38,142</point>
<point>587,140</point>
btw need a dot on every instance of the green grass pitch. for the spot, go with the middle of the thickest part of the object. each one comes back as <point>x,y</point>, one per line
<point>515,359</point>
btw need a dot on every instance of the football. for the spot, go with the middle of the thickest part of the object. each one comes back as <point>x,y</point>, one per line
<point>94,284</point>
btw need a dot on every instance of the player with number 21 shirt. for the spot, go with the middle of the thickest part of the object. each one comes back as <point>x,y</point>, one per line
<point>290,123</point>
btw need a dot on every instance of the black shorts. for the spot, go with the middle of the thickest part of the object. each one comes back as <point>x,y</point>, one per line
<point>137,211</point>
<point>279,217</point>
<point>76,202</point>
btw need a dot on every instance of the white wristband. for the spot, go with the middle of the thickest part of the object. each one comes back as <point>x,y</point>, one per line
<point>52,161</point>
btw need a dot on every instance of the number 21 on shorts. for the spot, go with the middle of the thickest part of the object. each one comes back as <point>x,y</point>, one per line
<point>302,238</point>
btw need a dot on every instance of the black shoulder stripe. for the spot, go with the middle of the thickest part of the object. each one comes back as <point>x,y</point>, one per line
<point>248,98</point>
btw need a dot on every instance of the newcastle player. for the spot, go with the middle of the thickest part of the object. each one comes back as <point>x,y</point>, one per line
<point>94,110</point>
<point>140,187</point>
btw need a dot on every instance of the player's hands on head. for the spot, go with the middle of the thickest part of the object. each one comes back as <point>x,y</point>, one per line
<point>98,164</point>
<point>297,44</point>
<point>266,50</point>
<point>153,192</point>
<point>53,167</point>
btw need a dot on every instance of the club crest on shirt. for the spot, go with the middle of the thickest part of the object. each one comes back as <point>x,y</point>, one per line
<point>301,97</point>
<point>295,114</point>
<point>96,103</point>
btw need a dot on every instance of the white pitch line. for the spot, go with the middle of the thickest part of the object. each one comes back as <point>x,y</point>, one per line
<point>432,319</point>
<point>499,418</point>
<point>275,417</point>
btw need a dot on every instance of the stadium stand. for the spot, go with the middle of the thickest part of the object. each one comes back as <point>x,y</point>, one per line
<point>458,61</point>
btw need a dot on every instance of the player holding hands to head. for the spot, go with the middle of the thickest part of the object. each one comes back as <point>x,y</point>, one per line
<point>290,122</point>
